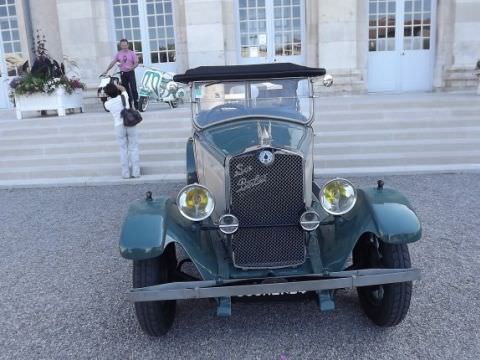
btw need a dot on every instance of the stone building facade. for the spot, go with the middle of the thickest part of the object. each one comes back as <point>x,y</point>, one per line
<point>368,45</point>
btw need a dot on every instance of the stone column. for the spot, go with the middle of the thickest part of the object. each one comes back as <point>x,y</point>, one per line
<point>311,33</point>
<point>337,43</point>
<point>44,17</point>
<point>204,28</point>
<point>466,45</point>
<point>85,35</point>
<point>444,46</point>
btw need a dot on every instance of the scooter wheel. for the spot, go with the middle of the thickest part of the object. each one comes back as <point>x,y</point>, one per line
<point>142,103</point>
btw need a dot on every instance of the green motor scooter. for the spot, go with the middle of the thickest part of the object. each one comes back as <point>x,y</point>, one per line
<point>159,86</point>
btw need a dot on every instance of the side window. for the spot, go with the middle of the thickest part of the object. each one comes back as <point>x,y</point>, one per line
<point>149,26</point>
<point>161,31</point>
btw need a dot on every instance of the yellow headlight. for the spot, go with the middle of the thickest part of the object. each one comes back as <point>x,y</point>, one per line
<point>338,196</point>
<point>195,202</point>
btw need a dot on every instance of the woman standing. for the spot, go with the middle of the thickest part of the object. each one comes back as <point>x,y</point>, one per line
<point>127,137</point>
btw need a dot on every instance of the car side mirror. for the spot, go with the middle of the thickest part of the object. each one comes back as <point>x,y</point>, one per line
<point>328,80</point>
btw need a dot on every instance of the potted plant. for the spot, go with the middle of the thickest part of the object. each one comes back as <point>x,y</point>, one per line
<point>46,87</point>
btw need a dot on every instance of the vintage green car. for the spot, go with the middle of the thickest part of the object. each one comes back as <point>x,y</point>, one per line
<point>251,218</point>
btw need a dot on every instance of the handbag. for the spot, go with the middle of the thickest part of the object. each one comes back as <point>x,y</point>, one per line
<point>130,117</point>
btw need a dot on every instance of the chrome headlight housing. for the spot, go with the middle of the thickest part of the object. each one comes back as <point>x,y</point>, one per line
<point>338,196</point>
<point>195,202</point>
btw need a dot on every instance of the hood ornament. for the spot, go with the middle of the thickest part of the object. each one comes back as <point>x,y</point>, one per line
<point>264,133</point>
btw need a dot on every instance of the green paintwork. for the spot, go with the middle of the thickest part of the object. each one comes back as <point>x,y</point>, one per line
<point>385,213</point>
<point>151,225</point>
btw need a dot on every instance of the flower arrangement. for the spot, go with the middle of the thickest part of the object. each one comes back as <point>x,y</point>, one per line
<point>46,75</point>
<point>30,84</point>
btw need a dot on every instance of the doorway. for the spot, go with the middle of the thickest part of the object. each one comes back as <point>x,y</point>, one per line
<point>401,45</point>
<point>270,31</point>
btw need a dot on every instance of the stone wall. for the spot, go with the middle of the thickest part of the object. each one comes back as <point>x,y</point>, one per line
<point>205,32</point>
<point>44,17</point>
<point>86,36</point>
<point>458,44</point>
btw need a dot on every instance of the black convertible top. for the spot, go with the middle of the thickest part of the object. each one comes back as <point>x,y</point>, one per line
<point>247,72</point>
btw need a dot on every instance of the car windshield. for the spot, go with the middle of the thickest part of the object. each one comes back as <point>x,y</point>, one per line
<point>219,101</point>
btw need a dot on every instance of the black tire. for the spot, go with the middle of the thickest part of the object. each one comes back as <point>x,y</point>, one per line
<point>386,305</point>
<point>142,103</point>
<point>155,317</point>
<point>104,99</point>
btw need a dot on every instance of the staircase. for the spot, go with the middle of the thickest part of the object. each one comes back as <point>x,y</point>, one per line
<point>366,134</point>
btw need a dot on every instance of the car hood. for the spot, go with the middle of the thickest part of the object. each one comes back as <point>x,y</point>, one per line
<point>237,137</point>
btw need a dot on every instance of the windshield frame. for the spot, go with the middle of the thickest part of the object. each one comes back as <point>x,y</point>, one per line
<point>195,102</point>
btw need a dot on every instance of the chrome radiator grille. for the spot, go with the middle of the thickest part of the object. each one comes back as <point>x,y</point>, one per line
<point>265,198</point>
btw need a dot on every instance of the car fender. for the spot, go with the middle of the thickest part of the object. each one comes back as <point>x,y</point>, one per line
<point>383,212</point>
<point>151,225</point>
<point>394,219</point>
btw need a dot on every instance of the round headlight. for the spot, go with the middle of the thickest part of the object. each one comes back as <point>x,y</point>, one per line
<point>228,224</point>
<point>338,196</point>
<point>195,202</point>
<point>309,220</point>
<point>172,86</point>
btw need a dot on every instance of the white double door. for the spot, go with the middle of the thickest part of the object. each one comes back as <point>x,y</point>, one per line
<point>401,45</point>
<point>270,31</point>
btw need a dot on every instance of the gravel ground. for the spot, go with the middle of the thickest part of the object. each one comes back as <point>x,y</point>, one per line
<point>63,284</point>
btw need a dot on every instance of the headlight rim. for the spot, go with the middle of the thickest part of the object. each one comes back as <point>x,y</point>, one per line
<point>184,189</point>
<point>349,208</point>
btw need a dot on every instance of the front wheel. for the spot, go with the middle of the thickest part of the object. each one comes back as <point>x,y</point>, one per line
<point>155,317</point>
<point>173,104</point>
<point>387,304</point>
<point>142,103</point>
<point>103,100</point>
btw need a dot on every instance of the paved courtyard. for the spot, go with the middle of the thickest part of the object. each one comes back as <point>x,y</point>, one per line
<point>63,285</point>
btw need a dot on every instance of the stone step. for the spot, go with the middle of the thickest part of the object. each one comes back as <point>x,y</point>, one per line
<point>90,137</point>
<point>93,159</point>
<point>89,147</point>
<point>108,166</point>
<point>467,132</point>
<point>105,131</point>
<point>87,170</point>
<point>389,146</point>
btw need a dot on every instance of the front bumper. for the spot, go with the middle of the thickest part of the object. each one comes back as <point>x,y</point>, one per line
<point>256,286</point>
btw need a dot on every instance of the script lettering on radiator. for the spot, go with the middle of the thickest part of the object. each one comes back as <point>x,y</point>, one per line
<point>244,184</point>
<point>242,170</point>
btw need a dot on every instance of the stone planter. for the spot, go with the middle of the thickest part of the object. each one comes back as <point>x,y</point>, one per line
<point>58,100</point>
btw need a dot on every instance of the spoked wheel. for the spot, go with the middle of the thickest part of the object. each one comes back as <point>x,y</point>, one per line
<point>386,305</point>
<point>155,317</point>
<point>142,103</point>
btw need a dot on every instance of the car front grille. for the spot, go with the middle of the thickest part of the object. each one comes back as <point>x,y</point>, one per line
<point>268,202</point>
